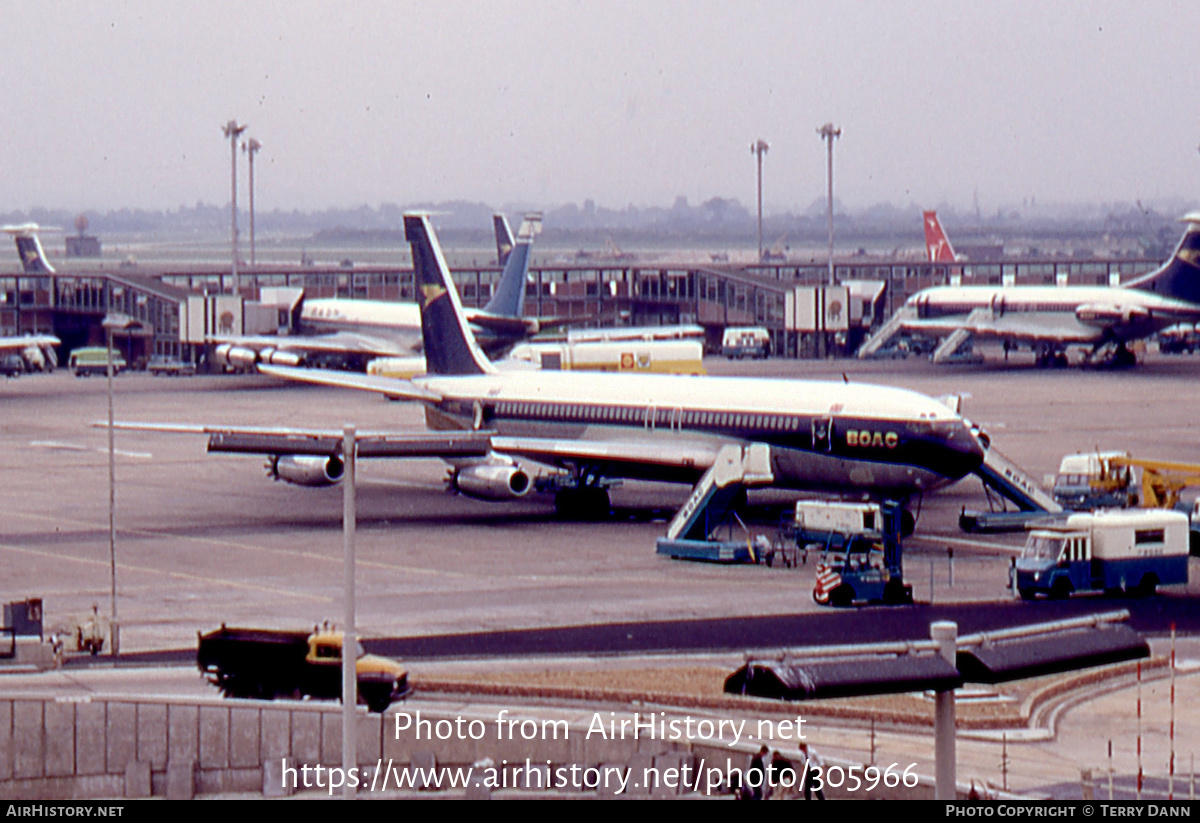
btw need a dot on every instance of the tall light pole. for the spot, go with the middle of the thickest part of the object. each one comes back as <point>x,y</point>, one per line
<point>233,131</point>
<point>252,147</point>
<point>829,133</point>
<point>759,148</point>
<point>113,321</point>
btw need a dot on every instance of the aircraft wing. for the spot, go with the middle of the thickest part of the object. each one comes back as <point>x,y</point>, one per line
<point>292,349</point>
<point>390,386</point>
<point>36,351</point>
<point>1064,328</point>
<point>24,341</point>
<point>686,456</point>
<point>325,442</point>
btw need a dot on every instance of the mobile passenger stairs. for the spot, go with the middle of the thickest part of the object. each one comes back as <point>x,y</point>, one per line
<point>1008,482</point>
<point>694,532</point>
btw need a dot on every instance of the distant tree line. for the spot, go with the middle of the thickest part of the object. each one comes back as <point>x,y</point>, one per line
<point>718,220</point>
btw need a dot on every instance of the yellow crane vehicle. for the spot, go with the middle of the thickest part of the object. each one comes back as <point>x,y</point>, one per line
<point>1110,479</point>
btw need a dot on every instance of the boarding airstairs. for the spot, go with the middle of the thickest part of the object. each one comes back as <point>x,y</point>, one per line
<point>691,535</point>
<point>949,348</point>
<point>886,333</point>
<point>1010,481</point>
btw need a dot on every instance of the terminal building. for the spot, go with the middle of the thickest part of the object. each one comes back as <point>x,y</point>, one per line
<point>179,312</point>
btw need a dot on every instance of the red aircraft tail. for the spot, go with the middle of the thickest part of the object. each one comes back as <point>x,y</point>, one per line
<point>936,243</point>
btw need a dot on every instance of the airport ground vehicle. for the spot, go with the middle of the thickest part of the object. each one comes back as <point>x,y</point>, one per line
<point>745,341</point>
<point>162,365</point>
<point>1133,551</point>
<point>23,644</point>
<point>265,664</point>
<point>1102,479</point>
<point>94,360</point>
<point>1181,339</point>
<point>862,559</point>
<point>12,365</point>
<point>646,357</point>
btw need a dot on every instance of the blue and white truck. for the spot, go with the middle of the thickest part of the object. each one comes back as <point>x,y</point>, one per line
<point>1132,550</point>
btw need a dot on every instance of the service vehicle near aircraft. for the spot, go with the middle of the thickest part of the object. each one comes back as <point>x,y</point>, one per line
<point>1111,479</point>
<point>265,664</point>
<point>94,360</point>
<point>745,341</point>
<point>1130,550</point>
<point>645,357</point>
<point>862,559</point>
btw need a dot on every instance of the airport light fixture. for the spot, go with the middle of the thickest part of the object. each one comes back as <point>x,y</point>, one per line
<point>252,147</point>
<point>759,148</point>
<point>113,322</point>
<point>829,133</point>
<point>233,131</point>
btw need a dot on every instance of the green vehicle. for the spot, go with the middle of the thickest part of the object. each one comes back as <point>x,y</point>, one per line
<point>94,360</point>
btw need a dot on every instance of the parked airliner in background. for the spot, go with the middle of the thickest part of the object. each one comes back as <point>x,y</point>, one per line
<point>589,429</point>
<point>349,333</point>
<point>1050,319</point>
<point>28,352</point>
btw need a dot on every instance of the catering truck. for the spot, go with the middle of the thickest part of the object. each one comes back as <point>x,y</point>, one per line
<point>265,664</point>
<point>1130,550</point>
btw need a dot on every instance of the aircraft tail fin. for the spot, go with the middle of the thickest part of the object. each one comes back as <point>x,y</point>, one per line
<point>450,348</point>
<point>509,297</point>
<point>937,244</point>
<point>504,238</point>
<point>29,247</point>
<point>1179,277</point>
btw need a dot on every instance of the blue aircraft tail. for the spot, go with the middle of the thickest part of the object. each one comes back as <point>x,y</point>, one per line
<point>504,238</point>
<point>509,297</point>
<point>29,247</point>
<point>1179,277</point>
<point>450,348</point>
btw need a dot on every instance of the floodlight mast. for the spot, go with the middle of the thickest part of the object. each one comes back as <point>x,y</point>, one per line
<point>759,148</point>
<point>252,147</point>
<point>233,131</point>
<point>829,133</point>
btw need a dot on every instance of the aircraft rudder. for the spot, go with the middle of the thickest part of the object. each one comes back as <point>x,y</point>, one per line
<point>450,347</point>
<point>937,244</point>
<point>509,297</point>
<point>33,258</point>
<point>504,238</point>
<point>1179,277</point>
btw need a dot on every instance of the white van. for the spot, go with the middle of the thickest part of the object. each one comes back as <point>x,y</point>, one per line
<point>746,341</point>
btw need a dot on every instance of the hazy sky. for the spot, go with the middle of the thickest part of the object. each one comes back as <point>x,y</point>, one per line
<point>111,104</point>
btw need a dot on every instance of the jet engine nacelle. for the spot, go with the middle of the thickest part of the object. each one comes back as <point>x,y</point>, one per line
<point>237,357</point>
<point>304,470</point>
<point>1104,315</point>
<point>492,481</point>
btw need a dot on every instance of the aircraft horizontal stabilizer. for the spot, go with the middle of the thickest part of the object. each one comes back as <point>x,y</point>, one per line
<point>390,386</point>
<point>686,457</point>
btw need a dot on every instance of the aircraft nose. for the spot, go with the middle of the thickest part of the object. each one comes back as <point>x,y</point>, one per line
<point>971,443</point>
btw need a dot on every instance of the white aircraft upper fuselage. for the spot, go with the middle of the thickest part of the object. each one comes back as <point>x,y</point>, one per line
<point>1071,314</point>
<point>824,435</point>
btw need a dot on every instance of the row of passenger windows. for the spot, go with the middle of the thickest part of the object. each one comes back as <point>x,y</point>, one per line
<point>635,415</point>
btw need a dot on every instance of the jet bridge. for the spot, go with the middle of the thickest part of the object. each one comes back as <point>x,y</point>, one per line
<point>692,534</point>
